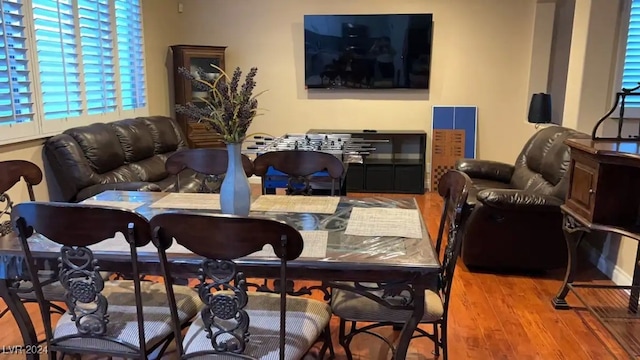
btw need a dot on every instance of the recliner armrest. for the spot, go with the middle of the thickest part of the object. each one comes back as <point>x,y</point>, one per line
<point>93,190</point>
<point>519,200</point>
<point>486,169</point>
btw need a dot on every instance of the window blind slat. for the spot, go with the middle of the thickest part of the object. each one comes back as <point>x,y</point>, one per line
<point>16,105</point>
<point>631,69</point>
<point>58,57</point>
<point>97,55</point>
<point>130,54</point>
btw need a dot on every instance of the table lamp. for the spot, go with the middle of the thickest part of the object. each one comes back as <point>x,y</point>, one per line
<point>540,109</point>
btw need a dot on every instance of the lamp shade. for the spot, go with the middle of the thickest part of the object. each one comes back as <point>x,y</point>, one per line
<point>540,109</point>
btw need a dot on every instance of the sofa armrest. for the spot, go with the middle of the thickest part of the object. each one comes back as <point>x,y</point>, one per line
<point>519,200</point>
<point>93,190</point>
<point>486,169</point>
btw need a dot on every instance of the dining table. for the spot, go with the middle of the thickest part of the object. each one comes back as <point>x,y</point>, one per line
<point>392,264</point>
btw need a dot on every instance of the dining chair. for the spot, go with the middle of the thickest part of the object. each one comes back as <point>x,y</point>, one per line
<point>299,165</point>
<point>354,308</point>
<point>210,162</point>
<point>126,318</point>
<point>234,321</point>
<point>12,172</point>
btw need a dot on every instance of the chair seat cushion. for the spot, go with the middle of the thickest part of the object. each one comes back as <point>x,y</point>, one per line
<point>351,306</point>
<point>123,317</point>
<point>305,321</point>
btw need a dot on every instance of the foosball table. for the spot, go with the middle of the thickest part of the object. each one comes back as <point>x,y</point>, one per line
<point>345,147</point>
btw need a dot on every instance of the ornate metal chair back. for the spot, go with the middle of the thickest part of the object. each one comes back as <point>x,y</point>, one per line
<point>75,227</point>
<point>223,288</point>
<point>209,162</point>
<point>299,165</point>
<point>10,174</point>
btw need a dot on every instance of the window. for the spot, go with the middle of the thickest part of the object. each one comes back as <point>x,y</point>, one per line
<point>84,58</point>
<point>58,58</point>
<point>16,106</point>
<point>631,63</point>
<point>130,54</point>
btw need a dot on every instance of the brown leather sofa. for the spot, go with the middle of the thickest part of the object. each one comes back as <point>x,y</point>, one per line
<point>128,154</point>
<point>516,223</point>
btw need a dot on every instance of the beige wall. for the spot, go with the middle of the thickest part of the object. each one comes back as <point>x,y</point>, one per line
<point>481,56</point>
<point>560,51</point>
<point>161,20</point>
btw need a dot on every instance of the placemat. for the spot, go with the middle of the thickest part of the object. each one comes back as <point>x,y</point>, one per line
<point>121,204</point>
<point>192,201</point>
<point>296,204</point>
<point>315,245</point>
<point>377,221</point>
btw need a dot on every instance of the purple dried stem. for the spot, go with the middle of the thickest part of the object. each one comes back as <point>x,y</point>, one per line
<point>228,110</point>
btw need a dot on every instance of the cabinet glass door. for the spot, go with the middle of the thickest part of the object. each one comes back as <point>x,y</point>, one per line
<point>210,74</point>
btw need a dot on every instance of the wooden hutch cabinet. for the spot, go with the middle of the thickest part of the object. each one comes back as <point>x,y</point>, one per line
<point>193,57</point>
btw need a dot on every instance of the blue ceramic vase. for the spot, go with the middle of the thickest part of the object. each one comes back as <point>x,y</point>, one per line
<point>235,191</point>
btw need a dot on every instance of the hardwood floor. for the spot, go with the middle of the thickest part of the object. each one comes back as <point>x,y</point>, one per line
<point>492,316</point>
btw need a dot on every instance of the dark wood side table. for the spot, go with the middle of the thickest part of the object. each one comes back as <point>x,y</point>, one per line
<point>604,196</point>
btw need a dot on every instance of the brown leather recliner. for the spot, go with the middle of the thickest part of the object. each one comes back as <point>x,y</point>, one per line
<point>516,223</point>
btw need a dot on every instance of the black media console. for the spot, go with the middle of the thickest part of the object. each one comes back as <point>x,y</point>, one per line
<point>396,166</point>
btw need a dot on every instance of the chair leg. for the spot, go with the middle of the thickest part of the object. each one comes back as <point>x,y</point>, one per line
<point>342,338</point>
<point>443,342</point>
<point>328,344</point>
<point>436,340</point>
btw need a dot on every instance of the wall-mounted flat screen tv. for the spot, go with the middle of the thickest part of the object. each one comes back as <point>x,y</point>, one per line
<point>386,51</point>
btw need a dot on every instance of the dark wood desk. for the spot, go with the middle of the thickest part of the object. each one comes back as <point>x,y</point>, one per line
<point>393,261</point>
<point>604,196</point>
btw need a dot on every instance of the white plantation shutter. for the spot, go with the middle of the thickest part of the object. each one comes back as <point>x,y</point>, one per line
<point>631,67</point>
<point>130,54</point>
<point>16,107</point>
<point>58,58</point>
<point>97,56</point>
<point>67,63</point>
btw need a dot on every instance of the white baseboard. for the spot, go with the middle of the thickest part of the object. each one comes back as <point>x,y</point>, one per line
<point>607,267</point>
<point>254,180</point>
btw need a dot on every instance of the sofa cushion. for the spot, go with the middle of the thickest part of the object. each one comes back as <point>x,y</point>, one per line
<point>100,146</point>
<point>150,169</point>
<point>165,135</point>
<point>190,182</point>
<point>124,173</point>
<point>135,138</point>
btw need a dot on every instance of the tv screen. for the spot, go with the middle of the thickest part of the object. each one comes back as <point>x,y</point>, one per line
<point>390,51</point>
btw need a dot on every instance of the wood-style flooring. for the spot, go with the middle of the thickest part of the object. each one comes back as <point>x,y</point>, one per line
<point>492,316</point>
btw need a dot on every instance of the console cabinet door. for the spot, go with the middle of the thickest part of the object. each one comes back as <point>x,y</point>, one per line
<point>583,186</point>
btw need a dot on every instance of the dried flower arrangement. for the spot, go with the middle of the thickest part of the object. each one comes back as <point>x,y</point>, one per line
<point>228,108</point>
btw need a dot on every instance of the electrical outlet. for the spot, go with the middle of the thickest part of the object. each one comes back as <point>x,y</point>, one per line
<point>180,7</point>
